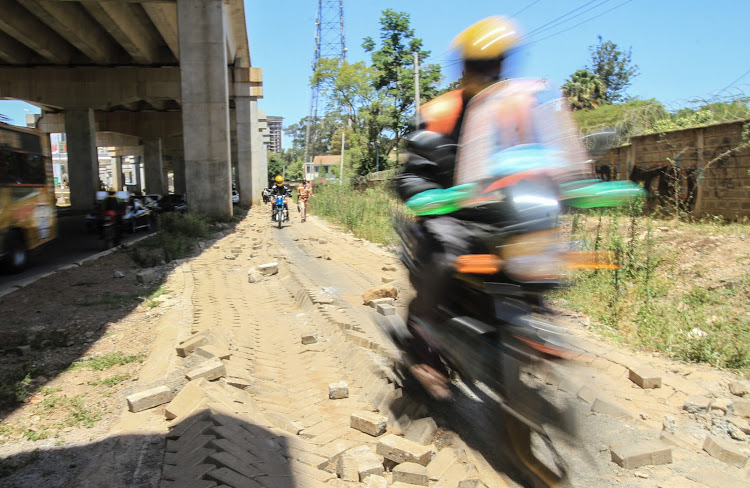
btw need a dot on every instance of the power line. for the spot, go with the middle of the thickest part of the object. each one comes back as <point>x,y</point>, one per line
<point>561,17</point>
<point>580,23</point>
<point>556,24</point>
<point>738,79</point>
<point>526,7</point>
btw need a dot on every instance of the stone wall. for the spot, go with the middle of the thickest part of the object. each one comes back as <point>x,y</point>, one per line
<point>709,181</point>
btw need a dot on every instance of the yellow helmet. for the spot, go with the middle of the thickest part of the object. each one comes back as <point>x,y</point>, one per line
<point>279,180</point>
<point>487,39</point>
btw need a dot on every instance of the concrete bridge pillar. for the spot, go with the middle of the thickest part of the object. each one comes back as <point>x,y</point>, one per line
<point>259,163</point>
<point>117,179</point>
<point>83,163</point>
<point>246,128</point>
<point>205,105</point>
<point>179,174</point>
<point>153,166</point>
<point>138,172</point>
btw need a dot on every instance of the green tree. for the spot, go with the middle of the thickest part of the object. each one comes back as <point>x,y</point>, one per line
<point>614,68</point>
<point>584,90</point>
<point>393,61</point>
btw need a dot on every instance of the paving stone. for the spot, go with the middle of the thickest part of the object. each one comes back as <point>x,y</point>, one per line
<point>422,431</point>
<point>385,309</point>
<point>197,456</point>
<point>696,404</point>
<point>374,481</point>
<point>741,408</point>
<point>310,337</point>
<point>610,408</point>
<point>368,422</point>
<point>403,450</point>
<point>269,269</point>
<point>586,394</point>
<point>739,388</point>
<point>644,376</point>
<point>185,473</point>
<point>230,461</point>
<point>346,468</point>
<point>232,478</point>
<point>472,483</point>
<point>723,451</point>
<point>307,457</point>
<point>191,344</point>
<point>150,398</point>
<point>368,463</point>
<point>210,351</point>
<point>283,422</point>
<point>186,400</point>
<point>338,390</point>
<point>382,301</point>
<point>715,478</point>
<point>646,453</point>
<point>676,440</point>
<point>210,370</point>
<point>411,473</point>
<point>454,475</point>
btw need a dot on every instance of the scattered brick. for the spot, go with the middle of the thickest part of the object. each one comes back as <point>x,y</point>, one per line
<point>741,408</point>
<point>696,404</point>
<point>310,337</point>
<point>382,301</point>
<point>385,309</point>
<point>210,351</point>
<point>724,452</point>
<point>368,422</point>
<point>368,463</point>
<point>254,276</point>
<point>149,398</point>
<point>210,370</point>
<point>739,388</point>
<point>645,376</point>
<point>422,431</point>
<point>191,344</point>
<point>186,400</point>
<point>346,468</point>
<point>444,459</point>
<point>374,481</point>
<point>412,473</point>
<point>403,450</point>
<point>338,390</point>
<point>269,269</point>
<point>631,456</point>
<point>722,404</point>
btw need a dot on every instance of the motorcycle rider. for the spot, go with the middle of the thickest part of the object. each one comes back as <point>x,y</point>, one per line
<point>483,47</point>
<point>280,189</point>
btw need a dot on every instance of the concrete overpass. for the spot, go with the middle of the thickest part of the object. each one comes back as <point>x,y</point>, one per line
<point>173,77</point>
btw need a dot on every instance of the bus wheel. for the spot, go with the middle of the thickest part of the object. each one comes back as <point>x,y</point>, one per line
<point>17,255</point>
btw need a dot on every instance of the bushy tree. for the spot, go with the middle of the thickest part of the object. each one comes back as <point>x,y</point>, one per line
<point>614,68</point>
<point>584,90</point>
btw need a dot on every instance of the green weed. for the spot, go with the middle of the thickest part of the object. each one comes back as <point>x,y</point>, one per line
<point>112,380</point>
<point>106,361</point>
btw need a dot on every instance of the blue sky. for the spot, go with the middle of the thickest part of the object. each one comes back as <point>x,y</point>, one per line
<point>684,49</point>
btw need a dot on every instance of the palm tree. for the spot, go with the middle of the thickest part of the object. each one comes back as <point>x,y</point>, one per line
<point>584,90</point>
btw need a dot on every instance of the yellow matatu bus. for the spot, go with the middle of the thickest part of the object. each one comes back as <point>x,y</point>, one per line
<point>28,217</point>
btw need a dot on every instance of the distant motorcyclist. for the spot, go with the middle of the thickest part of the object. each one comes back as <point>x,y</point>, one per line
<point>280,189</point>
<point>483,48</point>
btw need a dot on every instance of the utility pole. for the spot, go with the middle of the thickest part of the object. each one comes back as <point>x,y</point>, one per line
<point>416,90</point>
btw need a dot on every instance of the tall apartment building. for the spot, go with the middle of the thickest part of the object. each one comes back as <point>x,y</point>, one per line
<point>274,127</point>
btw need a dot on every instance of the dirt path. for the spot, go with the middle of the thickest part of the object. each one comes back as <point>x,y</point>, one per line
<point>268,420</point>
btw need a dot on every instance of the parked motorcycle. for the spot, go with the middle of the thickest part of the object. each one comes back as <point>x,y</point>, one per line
<point>280,212</point>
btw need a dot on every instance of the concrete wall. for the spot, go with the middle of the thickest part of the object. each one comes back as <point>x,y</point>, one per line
<point>709,184</point>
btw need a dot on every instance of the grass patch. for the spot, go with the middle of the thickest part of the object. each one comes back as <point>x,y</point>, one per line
<point>111,381</point>
<point>14,389</point>
<point>367,214</point>
<point>653,301</point>
<point>151,301</point>
<point>106,361</point>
